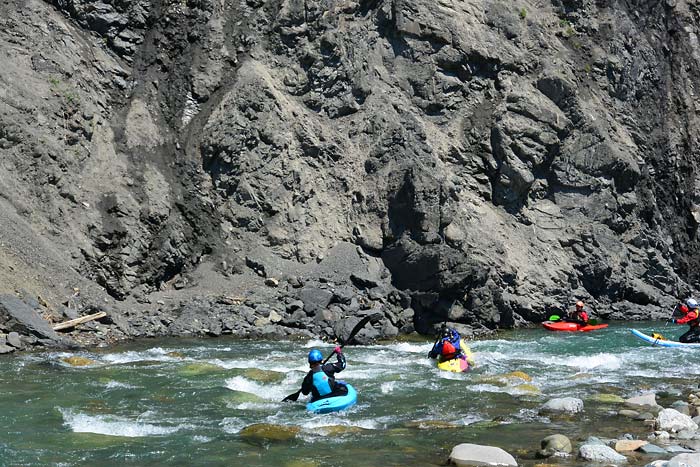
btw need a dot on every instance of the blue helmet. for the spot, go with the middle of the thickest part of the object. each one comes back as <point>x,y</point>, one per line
<point>315,356</point>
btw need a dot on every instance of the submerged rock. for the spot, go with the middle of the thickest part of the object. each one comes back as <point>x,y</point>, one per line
<point>466,454</point>
<point>607,398</point>
<point>269,432</point>
<point>78,361</point>
<point>263,376</point>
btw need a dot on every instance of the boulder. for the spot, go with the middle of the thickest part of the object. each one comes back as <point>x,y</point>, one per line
<point>674,421</point>
<point>554,444</point>
<point>6,349</point>
<point>600,453</point>
<point>15,315</point>
<point>564,404</point>
<point>315,299</point>
<point>466,454</point>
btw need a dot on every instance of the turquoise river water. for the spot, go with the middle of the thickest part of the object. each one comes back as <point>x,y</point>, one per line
<point>188,401</point>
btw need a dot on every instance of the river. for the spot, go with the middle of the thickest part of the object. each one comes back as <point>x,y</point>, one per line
<point>188,401</point>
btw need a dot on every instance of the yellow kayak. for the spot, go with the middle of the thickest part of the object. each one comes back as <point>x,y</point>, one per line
<point>459,364</point>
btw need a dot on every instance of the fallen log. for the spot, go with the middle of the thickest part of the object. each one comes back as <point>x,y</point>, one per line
<point>83,319</point>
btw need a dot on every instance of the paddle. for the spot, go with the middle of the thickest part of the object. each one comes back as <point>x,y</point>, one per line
<point>293,397</point>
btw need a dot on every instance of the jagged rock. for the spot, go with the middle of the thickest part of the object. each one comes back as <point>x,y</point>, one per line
<point>15,315</point>
<point>629,445</point>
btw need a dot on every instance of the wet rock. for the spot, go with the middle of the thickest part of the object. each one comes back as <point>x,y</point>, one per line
<point>267,432</point>
<point>564,404</point>
<point>600,453</point>
<point>673,421</point>
<point>78,361</point>
<point>6,349</point>
<point>553,444</point>
<point>476,455</point>
<point>263,376</point>
<point>607,398</point>
<point>199,368</point>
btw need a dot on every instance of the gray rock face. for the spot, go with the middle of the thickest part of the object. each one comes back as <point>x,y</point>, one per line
<point>466,454</point>
<point>475,156</point>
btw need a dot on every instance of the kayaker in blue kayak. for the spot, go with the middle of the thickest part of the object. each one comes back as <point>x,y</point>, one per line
<point>319,381</point>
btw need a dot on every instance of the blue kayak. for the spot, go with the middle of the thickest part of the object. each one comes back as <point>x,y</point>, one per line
<point>334,404</point>
<point>662,342</point>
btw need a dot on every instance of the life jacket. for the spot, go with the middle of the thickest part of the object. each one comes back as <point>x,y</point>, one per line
<point>448,350</point>
<point>322,383</point>
<point>691,318</point>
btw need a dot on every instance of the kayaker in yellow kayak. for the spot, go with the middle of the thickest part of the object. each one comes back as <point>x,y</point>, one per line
<point>449,346</point>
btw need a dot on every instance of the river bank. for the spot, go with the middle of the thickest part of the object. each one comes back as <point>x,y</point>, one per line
<point>217,401</point>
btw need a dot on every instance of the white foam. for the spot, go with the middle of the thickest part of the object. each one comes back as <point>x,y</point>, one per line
<point>119,385</point>
<point>271,392</point>
<point>601,361</point>
<point>328,420</point>
<point>155,354</point>
<point>112,425</point>
<point>232,425</point>
<point>388,387</point>
<point>259,406</point>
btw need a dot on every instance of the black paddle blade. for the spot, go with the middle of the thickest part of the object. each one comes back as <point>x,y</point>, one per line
<point>359,326</point>
<point>292,397</point>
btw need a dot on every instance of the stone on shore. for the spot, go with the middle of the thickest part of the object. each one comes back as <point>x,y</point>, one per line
<point>467,454</point>
<point>674,421</point>
<point>600,453</point>
<point>624,445</point>
<point>554,444</point>
<point>651,449</point>
<point>564,404</point>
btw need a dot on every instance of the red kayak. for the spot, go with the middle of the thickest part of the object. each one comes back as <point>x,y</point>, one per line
<point>571,327</point>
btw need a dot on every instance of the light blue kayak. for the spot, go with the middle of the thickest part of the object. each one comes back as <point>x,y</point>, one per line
<point>334,404</point>
<point>662,342</point>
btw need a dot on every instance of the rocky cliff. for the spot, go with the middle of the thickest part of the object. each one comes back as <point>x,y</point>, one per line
<point>284,167</point>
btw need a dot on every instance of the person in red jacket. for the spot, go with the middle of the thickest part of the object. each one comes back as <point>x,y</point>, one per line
<point>578,315</point>
<point>692,318</point>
